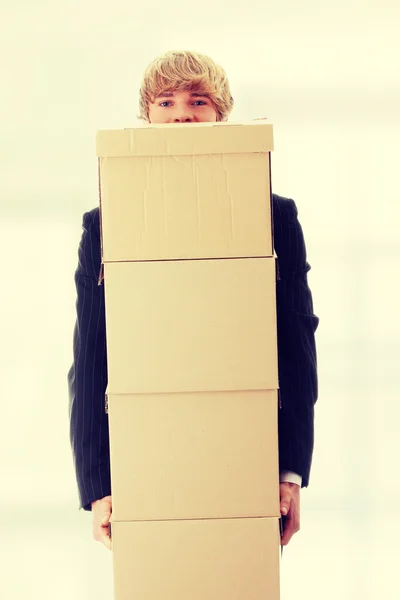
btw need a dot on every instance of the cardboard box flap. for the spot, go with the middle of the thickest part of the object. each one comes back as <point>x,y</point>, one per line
<point>193,138</point>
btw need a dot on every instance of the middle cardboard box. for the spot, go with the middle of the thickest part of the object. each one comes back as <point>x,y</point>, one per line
<point>191,325</point>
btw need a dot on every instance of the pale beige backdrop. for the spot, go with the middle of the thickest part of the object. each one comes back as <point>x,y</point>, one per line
<point>327,76</point>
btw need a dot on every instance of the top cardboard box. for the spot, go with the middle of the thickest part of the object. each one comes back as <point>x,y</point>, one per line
<point>185,191</point>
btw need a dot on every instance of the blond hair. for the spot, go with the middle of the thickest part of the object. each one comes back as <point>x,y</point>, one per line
<point>184,70</point>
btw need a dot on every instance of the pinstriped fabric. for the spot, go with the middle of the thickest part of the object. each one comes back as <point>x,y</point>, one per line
<point>297,359</point>
<point>87,377</point>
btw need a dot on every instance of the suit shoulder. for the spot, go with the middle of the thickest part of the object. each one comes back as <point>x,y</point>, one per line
<point>284,208</point>
<point>89,251</point>
<point>91,219</point>
<point>289,241</point>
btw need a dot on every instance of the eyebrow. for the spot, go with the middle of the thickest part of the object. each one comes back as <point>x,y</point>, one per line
<point>171,94</point>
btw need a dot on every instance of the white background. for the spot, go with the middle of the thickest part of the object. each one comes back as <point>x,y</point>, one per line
<point>327,76</point>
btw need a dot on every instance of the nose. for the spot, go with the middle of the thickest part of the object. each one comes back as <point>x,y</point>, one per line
<point>183,116</point>
<point>183,120</point>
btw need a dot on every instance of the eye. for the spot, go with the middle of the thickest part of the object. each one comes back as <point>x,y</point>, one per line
<point>165,102</point>
<point>202,101</point>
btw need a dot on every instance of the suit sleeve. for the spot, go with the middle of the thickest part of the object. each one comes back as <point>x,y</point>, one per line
<point>87,377</point>
<point>297,360</point>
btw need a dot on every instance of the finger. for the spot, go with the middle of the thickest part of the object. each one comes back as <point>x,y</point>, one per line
<point>285,503</point>
<point>288,531</point>
<point>106,518</point>
<point>99,531</point>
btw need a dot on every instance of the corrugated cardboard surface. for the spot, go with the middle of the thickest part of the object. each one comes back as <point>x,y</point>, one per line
<point>182,326</point>
<point>197,455</point>
<point>206,559</point>
<point>185,192</point>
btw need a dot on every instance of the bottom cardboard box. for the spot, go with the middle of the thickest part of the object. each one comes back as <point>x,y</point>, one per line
<point>196,559</point>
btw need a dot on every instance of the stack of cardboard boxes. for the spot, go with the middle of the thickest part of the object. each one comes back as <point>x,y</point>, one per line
<point>189,275</point>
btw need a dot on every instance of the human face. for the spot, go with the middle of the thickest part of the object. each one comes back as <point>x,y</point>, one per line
<point>182,107</point>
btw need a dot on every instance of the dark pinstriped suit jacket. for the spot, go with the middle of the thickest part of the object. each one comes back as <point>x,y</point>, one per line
<point>296,325</point>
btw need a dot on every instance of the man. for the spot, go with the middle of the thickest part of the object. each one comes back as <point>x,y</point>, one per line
<point>187,87</point>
